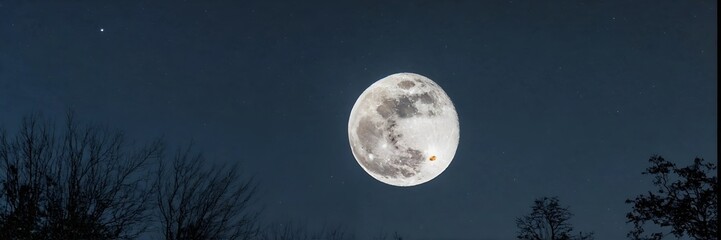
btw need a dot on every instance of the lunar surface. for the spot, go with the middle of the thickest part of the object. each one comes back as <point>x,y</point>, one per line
<point>403,130</point>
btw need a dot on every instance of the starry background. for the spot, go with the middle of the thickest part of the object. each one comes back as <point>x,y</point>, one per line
<point>565,98</point>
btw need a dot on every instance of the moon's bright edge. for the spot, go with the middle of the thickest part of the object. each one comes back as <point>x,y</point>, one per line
<point>403,130</point>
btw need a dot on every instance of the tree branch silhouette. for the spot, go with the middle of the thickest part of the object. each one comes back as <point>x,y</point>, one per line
<point>197,200</point>
<point>548,221</point>
<point>84,182</point>
<point>291,231</point>
<point>685,201</point>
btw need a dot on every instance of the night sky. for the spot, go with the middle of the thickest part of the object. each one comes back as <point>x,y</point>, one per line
<point>566,98</point>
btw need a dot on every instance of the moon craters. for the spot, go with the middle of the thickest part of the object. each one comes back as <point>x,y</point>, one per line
<point>425,98</point>
<point>405,107</point>
<point>409,161</point>
<point>399,126</point>
<point>413,158</point>
<point>391,109</point>
<point>406,84</point>
<point>386,108</point>
<point>368,134</point>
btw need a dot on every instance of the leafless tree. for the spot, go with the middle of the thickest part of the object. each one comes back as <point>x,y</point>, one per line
<point>548,221</point>
<point>685,202</point>
<point>200,201</point>
<point>290,231</point>
<point>82,182</point>
<point>386,236</point>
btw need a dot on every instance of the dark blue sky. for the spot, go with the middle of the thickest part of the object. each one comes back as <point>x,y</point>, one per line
<point>567,98</point>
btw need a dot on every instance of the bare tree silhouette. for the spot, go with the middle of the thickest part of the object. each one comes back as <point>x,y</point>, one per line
<point>386,236</point>
<point>200,201</point>
<point>548,221</point>
<point>291,231</point>
<point>687,203</point>
<point>84,182</point>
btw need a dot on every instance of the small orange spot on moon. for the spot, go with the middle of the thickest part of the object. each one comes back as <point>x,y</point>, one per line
<point>433,158</point>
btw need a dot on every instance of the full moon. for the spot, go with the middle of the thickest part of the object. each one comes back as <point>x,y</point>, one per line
<point>403,130</point>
